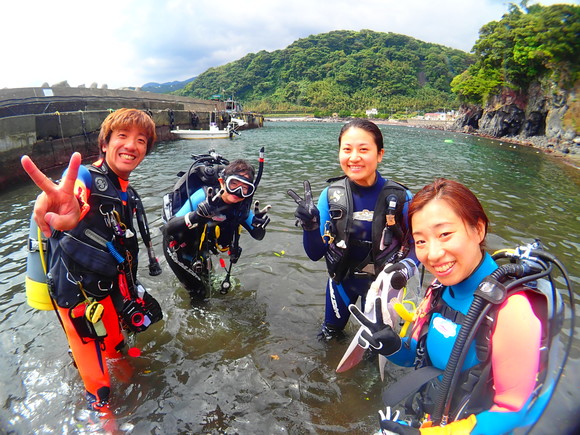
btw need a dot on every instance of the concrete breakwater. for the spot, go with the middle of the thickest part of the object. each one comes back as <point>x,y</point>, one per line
<point>49,124</point>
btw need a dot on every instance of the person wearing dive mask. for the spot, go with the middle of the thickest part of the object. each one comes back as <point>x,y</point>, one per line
<point>211,215</point>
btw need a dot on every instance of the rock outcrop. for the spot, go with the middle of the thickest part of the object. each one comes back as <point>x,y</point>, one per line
<point>546,116</point>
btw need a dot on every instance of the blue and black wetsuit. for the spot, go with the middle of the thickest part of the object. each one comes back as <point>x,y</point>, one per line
<point>236,214</point>
<point>354,258</point>
<point>189,239</point>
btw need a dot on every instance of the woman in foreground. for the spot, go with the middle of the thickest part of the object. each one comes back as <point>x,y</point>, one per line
<point>494,386</point>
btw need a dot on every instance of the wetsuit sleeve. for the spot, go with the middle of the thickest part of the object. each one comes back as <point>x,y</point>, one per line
<point>515,360</point>
<point>196,198</point>
<point>405,356</point>
<point>313,244</point>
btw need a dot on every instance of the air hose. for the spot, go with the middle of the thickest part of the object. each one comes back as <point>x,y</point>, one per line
<point>490,291</point>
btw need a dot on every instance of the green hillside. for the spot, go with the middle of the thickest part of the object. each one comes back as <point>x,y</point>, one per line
<point>528,45</point>
<point>342,71</point>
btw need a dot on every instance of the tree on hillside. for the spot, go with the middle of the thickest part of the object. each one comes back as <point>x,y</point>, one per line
<point>526,45</point>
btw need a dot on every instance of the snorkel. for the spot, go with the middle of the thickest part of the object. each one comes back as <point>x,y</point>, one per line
<point>260,168</point>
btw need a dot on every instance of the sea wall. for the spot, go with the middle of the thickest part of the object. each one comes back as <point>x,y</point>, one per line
<point>49,124</point>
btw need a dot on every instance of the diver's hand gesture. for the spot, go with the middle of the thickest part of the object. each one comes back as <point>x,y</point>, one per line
<point>211,207</point>
<point>57,205</point>
<point>376,333</point>
<point>260,219</point>
<point>306,213</point>
<point>390,424</point>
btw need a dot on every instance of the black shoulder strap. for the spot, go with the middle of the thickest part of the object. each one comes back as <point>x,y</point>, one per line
<point>397,228</point>
<point>409,384</point>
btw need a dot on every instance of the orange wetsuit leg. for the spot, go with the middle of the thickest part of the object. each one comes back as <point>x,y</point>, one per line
<point>90,355</point>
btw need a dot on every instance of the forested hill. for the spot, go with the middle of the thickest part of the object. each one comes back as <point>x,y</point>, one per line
<point>338,71</point>
<point>526,76</point>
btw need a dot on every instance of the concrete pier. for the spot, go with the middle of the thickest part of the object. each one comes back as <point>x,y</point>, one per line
<point>49,124</point>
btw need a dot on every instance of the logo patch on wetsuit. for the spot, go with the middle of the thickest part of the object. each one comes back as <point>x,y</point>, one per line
<point>101,184</point>
<point>365,215</point>
<point>445,326</point>
<point>336,195</point>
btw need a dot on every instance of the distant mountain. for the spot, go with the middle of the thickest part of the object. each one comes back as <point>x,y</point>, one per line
<point>165,88</point>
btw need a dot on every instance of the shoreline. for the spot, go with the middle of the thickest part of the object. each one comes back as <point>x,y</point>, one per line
<point>549,147</point>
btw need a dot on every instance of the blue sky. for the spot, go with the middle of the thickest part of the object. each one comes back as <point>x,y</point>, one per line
<point>133,42</point>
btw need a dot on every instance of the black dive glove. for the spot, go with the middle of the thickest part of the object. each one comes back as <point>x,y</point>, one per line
<point>260,219</point>
<point>376,334</point>
<point>211,207</point>
<point>306,213</point>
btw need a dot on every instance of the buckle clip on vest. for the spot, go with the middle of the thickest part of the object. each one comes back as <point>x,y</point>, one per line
<point>113,220</point>
<point>327,237</point>
<point>387,236</point>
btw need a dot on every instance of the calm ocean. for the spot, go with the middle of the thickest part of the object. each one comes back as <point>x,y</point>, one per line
<point>248,362</point>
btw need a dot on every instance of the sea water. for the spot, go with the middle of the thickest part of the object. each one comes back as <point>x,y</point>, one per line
<point>249,362</point>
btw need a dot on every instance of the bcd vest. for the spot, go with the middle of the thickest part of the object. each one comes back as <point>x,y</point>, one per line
<point>387,224</point>
<point>80,260</point>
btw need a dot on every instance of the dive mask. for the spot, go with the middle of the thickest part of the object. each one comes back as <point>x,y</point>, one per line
<point>239,186</point>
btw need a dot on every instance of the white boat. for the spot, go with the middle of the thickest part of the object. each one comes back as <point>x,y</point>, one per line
<point>238,122</point>
<point>213,133</point>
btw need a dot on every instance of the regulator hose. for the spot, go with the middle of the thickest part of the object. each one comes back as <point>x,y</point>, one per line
<point>479,305</point>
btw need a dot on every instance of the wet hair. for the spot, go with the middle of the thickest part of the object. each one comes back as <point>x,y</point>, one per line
<point>462,200</point>
<point>239,167</point>
<point>125,118</point>
<point>367,126</point>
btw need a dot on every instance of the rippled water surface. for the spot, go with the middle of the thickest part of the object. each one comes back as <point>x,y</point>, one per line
<point>249,362</point>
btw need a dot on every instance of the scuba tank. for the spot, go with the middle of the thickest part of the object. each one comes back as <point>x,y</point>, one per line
<point>37,294</point>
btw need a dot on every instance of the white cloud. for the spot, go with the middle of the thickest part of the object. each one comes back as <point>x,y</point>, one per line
<point>131,42</point>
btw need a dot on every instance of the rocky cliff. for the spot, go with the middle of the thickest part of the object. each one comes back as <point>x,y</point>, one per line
<point>546,116</point>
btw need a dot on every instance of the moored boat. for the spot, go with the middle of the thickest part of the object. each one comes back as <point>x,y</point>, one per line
<point>214,131</point>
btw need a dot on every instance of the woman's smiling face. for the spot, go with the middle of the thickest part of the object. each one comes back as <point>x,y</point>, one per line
<point>359,156</point>
<point>448,247</point>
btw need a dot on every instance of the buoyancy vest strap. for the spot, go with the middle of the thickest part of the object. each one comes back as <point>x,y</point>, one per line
<point>409,384</point>
<point>141,218</point>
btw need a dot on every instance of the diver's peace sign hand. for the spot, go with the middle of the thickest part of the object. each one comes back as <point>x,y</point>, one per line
<point>379,335</point>
<point>210,208</point>
<point>260,219</point>
<point>57,205</point>
<point>306,213</point>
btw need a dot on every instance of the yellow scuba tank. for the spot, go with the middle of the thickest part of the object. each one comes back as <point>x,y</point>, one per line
<point>37,294</point>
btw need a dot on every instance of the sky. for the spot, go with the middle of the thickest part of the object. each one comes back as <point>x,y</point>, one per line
<point>128,43</point>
